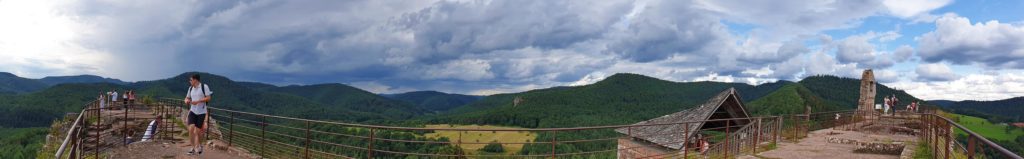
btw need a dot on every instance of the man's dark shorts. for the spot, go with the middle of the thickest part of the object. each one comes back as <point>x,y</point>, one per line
<point>197,120</point>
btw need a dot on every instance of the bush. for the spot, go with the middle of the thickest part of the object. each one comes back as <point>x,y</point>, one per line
<point>493,147</point>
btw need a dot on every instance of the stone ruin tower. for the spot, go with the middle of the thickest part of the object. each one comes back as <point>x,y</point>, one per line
<point>866,103</point>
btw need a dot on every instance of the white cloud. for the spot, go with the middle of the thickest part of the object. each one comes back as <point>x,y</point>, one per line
<point>888,76</point>
<point>377,87</point>
<point>855,49</point>
<point>903,53</point>
<point>860,50</point>
<point>36,40</point>
<point>479,46</point>
<point>914,9</point>
<point>991,44</point>
<point>935,72</point>
<point>995,86</point>
<point>470,70</point>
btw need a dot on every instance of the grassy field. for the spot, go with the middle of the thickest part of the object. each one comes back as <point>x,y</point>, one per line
<point>985,128</point>
<point>484,137</point>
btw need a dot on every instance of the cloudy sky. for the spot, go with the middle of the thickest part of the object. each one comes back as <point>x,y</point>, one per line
<point>935,49</point>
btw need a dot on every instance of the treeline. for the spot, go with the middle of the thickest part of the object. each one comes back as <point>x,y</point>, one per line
<point>998,111</point>
<point>21,142</point>
<point>790,99</point>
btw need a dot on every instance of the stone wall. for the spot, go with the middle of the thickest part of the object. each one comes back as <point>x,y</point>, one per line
<point>895,148</point>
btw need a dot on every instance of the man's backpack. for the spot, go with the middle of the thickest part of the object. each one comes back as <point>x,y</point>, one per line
<point>202,87</point>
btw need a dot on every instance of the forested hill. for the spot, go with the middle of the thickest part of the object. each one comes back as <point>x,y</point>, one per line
<point>327,101</point>
<point>822,93</point>
<point>42,107</point>
<point>618,99</point>
<point>997,111</point>
<point>324,101</point>
<point>844,92</point>
<point>434,100</point>
<point>791,99</point>
<point>12,84</point>
<point>348,97</point>
<point>627,98</point>
<point>54,80</point>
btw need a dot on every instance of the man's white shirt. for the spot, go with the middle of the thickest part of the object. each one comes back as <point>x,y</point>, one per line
<point>197,94</point>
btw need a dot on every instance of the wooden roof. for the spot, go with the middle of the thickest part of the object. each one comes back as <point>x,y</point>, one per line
<point>727,104</point>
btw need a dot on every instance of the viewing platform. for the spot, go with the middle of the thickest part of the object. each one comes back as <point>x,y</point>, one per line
<point>103,132</point>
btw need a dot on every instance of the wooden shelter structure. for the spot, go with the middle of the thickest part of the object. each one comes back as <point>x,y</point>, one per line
<point>726,108</point>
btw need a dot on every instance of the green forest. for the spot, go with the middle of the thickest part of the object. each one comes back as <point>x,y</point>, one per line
<point>21,142</point>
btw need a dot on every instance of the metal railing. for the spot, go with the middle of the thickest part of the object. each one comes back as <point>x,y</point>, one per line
<point>939,135</point>
<point>93,129</point>
<point>271,136</point>
<point>288,137</point>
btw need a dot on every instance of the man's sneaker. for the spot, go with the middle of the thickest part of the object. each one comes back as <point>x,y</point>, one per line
<point>191,151</point>
<point>200,149</point>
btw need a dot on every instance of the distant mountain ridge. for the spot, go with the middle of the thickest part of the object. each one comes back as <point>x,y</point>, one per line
<point>54,80</point>
<point>618,99</point>
<point>642,96</point>
<point>10,83</point>
<point>646,97</point>
<point>434,100</point>
<point>325,102</point>
<point>1005,110</point>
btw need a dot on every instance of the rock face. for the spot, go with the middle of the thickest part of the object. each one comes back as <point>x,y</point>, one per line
<point>866,103</point>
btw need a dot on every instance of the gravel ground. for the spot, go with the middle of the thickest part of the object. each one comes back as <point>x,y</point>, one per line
<point>816,146</point>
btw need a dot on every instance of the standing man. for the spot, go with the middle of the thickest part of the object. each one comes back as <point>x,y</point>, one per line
<point>113,98</point>
<point>197,97</point>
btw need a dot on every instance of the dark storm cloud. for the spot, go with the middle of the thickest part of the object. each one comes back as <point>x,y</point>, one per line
<point>490,46</point>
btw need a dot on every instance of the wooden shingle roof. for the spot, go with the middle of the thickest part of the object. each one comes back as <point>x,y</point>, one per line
<point>671,136</point>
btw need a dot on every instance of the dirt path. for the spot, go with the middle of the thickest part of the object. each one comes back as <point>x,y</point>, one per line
<point>816,146</point>
<point>167,150</point>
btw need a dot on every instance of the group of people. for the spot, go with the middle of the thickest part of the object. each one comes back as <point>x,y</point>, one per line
<point>892,101</point>
<point>197,96</point>
<point>111,98</point>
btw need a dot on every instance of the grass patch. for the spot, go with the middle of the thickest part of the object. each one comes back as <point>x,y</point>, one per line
<point>484,137</point>
<point>923,151</point>
<point>985,128</point>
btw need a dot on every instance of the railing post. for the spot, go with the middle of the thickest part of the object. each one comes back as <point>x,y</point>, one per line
<point>775,132</point>
<point>807,124</point>
<point>554,141</point>
<point>263,138</point>
<point>307,139</point>
<point>757,136</point>
<point>124,129</point>
<point>946,133</point>
<point>970,146</point>
<point>231,130</point>
<point>935,137</point>
<point>686,140</point>
<point>629,133</point>
<point>171,121</point>
<point>74,144</point>
<point>727,122</point>
<point>459,143</point>
<point>96,149</point>
<point>369,147</point>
